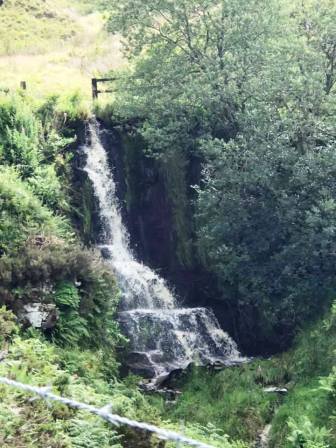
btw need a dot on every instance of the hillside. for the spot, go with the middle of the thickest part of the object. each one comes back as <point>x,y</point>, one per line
<point>55,46</point>
<point>167,252</point>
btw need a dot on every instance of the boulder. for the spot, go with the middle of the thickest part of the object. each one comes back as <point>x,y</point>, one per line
<point>40,315</point>
<point>276,390</point>
<point>141,364</point>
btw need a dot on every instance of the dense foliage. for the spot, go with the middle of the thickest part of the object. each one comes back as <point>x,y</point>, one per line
<point>41,259</point>
<point>249,87</point>
<point>42,262</point>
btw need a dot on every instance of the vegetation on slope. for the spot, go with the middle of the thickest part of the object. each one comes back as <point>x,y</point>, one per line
<point>41,257</point>
<point>31,27</point>
<point>75,373</point>
<point>54,46</point>
<point>234,399</point>
<point>248,86</point>
<point>43,262</point>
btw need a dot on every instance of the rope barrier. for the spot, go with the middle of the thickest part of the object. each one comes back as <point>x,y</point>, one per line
<point>104,413</point>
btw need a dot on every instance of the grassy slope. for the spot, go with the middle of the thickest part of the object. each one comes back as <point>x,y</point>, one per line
<point>30,423</point>
<point>57,46</point>
<point>234,401</point>
<point>54,45</point>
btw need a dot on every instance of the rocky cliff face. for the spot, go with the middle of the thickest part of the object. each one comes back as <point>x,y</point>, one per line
<point>147,208</point>
<point>160,224</point>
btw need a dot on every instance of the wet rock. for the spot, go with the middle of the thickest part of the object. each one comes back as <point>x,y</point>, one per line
<point>141,364</point>
<point>221,365</point>
<point>276,390</point>
<point>264,437</point>
<point>105,252</point>
<point>156,382</point>
<point>3,355</point>
<point>169,394</point>
<point>165,340</point>
<point>40,315</point>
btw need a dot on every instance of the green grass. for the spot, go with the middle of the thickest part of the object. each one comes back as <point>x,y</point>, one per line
<point>312,359</point>
<point>27,423</point>
<point>23,212</point>
<point>31,27</point>
<point>85,376</point>
<point>234,401</point>
<point>56,46</point>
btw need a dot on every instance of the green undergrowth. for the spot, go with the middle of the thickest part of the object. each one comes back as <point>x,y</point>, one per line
<point>234,399</point>
<point>307,416</point>
<point>84,375</point>
<point>231,400</point>
<point>42,261</point>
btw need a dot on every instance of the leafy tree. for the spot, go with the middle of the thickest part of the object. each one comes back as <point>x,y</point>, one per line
<point>210,52</point>
<point>249,87</point>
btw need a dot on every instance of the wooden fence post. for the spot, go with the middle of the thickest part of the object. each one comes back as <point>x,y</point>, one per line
<point>94,89</point>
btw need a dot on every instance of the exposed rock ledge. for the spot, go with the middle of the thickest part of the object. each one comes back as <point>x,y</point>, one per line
<point>40,315</point>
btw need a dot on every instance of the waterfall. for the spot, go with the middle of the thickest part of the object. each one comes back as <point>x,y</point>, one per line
<point>163,336</point>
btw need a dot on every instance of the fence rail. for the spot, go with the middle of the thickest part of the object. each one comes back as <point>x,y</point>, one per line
<point>104,413</point>
<point>95,89</point>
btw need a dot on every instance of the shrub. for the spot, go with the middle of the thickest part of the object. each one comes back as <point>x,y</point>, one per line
<point>71,327</point>
<point>87,312</point>
<point>74,106</point>
<point>92,433</point>
<point>36,423</point>
<point>22,213</point>
<point>305,434</point>
<point>19,135</point>
<point>8,326</point>
<point>47,187</point>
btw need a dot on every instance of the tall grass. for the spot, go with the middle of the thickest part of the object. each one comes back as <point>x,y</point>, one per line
<point>55,45</point>
<point>234,399</point>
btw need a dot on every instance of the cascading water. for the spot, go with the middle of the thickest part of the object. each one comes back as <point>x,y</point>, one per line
<point>163,337</point>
